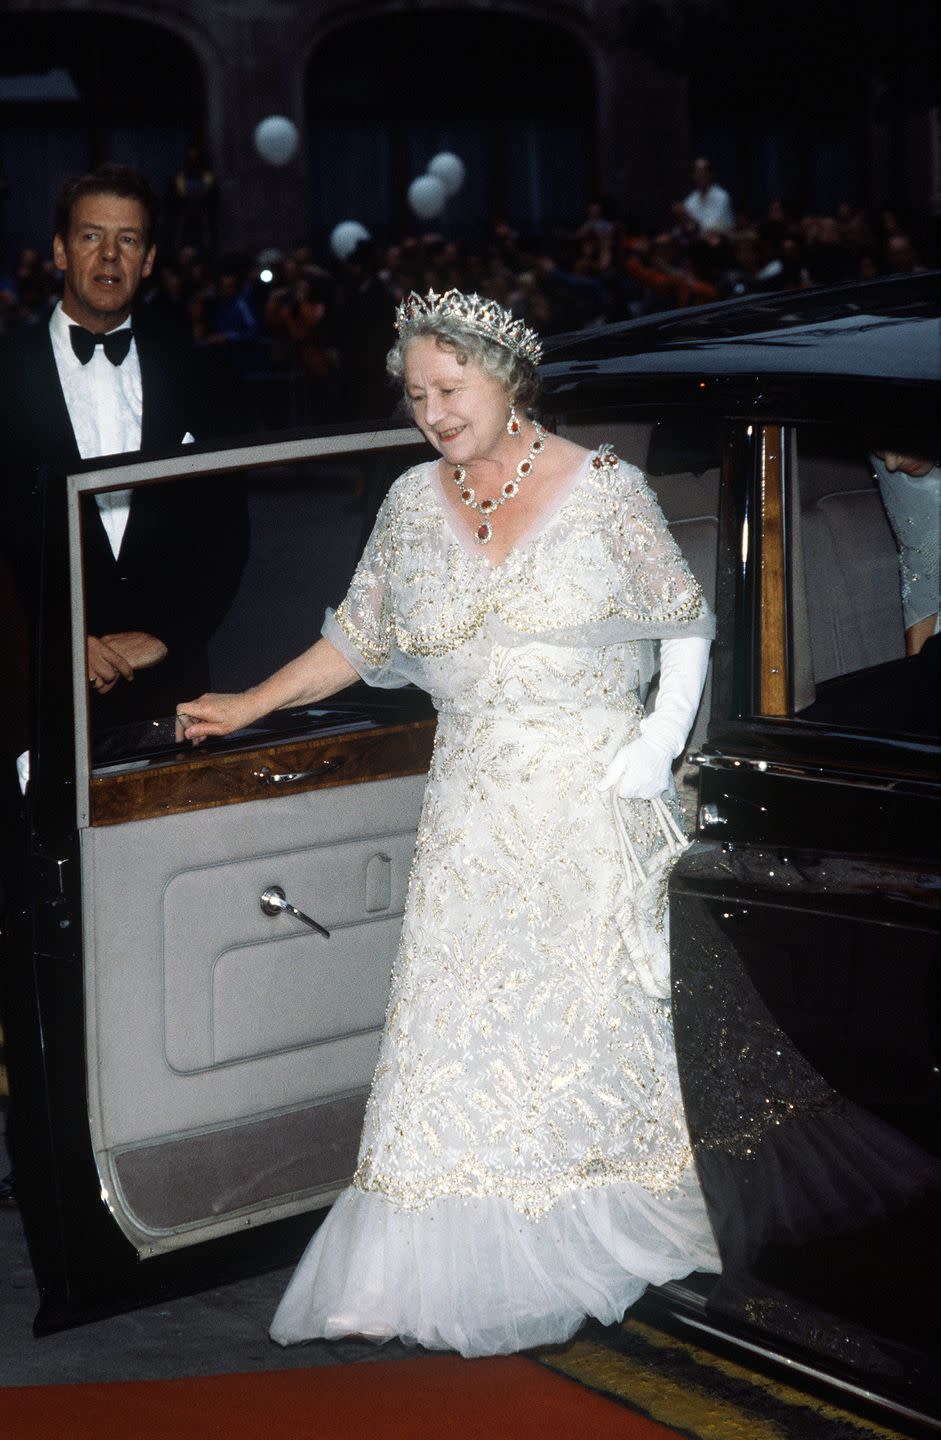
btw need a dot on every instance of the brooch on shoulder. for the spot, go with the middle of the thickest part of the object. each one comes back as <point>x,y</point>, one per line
<point>605,458</point>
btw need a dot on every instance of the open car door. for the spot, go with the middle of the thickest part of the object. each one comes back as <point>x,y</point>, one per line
<point>190,1058</point>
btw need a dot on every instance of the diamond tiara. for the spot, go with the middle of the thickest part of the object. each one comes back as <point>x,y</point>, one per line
<point>473,312</point>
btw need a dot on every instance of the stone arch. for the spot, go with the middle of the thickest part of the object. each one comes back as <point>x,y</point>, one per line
<point>124,86</point>
<point>187,23</point>
<point>568,16</point>
<point>514,89</point>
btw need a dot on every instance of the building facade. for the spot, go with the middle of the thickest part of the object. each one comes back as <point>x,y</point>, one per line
<point>549,106</point>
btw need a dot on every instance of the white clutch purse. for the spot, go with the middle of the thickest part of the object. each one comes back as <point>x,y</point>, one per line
<point>644,919</point>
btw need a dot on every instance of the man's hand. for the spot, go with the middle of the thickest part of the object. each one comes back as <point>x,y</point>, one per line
<point>139,649</point>
<point>105,666</point>
<point>113,657</point>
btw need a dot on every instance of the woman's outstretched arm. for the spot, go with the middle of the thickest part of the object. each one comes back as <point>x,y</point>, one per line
<point>319,672</point>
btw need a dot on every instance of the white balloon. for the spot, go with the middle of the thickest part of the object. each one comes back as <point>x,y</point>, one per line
<point>276,139</point>
<point>449,169</point>
<point>345,237</point>
<point>427,196</point>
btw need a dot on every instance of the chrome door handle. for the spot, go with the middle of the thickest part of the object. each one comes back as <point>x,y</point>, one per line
<point>274,902</point>
<point>811,773</point>
<point>267,776</point>
<point>719,761</point>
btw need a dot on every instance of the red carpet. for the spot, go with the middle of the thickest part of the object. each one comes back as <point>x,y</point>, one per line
<point>439,1398</point>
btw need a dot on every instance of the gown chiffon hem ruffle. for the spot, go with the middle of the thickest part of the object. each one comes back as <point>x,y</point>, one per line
<point>477,1276</point>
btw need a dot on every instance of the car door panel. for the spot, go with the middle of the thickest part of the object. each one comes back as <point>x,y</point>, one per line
<point>811,1125</point>
<point>206,1011</point>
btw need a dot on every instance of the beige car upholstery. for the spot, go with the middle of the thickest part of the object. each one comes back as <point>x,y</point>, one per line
<point>851,567</point>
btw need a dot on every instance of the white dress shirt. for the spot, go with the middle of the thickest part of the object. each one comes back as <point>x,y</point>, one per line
<point>712,211</point>
<point>105,404</point>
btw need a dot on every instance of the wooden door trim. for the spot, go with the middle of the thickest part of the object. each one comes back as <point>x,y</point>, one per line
<point>203,779</point>
<point>772,661</point>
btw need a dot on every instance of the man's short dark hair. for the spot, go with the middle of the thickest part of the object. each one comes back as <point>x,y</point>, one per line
<point>121,180</point>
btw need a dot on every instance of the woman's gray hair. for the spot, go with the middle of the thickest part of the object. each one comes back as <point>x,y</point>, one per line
<point>519,378</point>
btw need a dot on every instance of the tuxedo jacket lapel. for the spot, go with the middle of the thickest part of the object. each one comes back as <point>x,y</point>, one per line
<point>169,394</point>
<point>151,425</point>
<point>61,436</point>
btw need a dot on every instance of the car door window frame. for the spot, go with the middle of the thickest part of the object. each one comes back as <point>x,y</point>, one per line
<point>137,474</point>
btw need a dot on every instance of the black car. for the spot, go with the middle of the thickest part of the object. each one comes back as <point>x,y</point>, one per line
<point>190,1056</point>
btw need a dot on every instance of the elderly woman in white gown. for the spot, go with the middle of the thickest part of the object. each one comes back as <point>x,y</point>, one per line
<point>525,1161</point>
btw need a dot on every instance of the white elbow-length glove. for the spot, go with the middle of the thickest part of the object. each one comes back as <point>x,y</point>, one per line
<point>641,769</point>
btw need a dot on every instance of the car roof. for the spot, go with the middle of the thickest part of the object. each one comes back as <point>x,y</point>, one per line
<point>884,330</point>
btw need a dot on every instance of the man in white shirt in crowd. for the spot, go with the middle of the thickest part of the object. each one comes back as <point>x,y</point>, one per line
<point>707,203</point>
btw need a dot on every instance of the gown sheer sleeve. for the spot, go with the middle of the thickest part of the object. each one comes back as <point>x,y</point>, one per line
<point>662,598</point>
<point>661,595</point>
<point>362,626</point>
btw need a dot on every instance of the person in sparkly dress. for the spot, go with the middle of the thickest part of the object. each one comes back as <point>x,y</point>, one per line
<point>525,1161</point>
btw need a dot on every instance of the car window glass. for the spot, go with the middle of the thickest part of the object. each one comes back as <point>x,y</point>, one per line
<point>864,586</point>
<point>231,574</point>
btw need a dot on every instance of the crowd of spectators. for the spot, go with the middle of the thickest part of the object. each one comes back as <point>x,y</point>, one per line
<point>309,334</point>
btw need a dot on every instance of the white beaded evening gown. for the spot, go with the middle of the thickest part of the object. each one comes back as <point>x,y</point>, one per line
<point>525,1160</point>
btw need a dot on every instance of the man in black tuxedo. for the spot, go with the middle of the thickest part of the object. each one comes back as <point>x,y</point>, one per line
<point>162,562</point>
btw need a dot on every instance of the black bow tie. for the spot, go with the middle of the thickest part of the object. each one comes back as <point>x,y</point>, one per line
<point>116,345</point>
